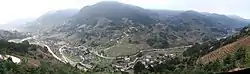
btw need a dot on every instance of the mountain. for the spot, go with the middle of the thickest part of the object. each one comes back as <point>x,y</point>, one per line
<point>231,22</point>
<point>239,18</point>
<point>6,35</point>
<point>90,14</point>
<point>236,17</point>
<point>164,14</point>
<point>125,28</point>
<point>16,24</point>
<point>50,19</point>
<point>115,37</point>
<point>212,19</point>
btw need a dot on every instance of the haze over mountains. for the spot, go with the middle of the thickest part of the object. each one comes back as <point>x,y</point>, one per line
<point>127,11</point>
<point>118,36</point>
<point>114,18</point>
<point>118,25</point>
<point>16,24</point>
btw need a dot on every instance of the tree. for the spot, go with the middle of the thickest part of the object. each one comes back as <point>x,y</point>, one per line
<point>157,41</point>
<point>25,42</point>
<point>240,54</point>
<point>139,67</point>
<point>216,66</point>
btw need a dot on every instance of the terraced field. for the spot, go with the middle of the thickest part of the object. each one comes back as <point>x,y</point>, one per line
<point>222,52</point>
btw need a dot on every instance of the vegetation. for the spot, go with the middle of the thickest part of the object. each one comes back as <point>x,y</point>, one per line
<point>157,41</point>
<point>199,50</point>
<point>139,68</point>
<point>6,35</point>
<point>23,50</point>
<point>103,66</point>
<point>8,67</point>
<point>133,41</point>
<point>181,65</point>
<point>99,22</point>
<point>188,64</point>
<point>16,48</point>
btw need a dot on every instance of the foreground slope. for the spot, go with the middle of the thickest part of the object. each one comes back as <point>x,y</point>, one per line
<point>224,51</point>
<point>218,56</point>
<point>33,60</point>
<point>227,46</point>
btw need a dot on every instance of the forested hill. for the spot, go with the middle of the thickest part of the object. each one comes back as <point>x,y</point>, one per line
<point>34,60</point>
<point>199,50</point>
<point>218,56</point>
<point>6,35</point>
<point>98,24</point>
<point>114,29</point>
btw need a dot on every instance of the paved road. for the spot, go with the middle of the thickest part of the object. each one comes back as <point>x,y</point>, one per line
<point>97,54</point>
<point>152,50</point>
<point>66,60</point>
<point>61,52</point>
<point>50,51</point>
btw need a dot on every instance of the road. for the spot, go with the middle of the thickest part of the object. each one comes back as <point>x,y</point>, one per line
<point>61,52</point>
<point>64,59</point>
<point>152,50</point>
<point>50,51</point>
<point>37,43</point>
<point>96,53</point>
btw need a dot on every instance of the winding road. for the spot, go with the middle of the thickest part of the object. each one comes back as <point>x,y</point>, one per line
<point>50,51</point>
<point>37,43</point>
<point>61,52</point>
<point>96,53</point>
<point>64,59</point>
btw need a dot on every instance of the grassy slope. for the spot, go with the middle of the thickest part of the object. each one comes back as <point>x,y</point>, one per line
<point>123,48</point>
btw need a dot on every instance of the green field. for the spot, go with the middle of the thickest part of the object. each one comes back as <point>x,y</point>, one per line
<point>123,48</point>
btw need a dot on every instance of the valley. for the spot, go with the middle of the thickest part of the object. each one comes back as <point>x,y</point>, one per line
<point>113,37</point>
<point>88,57</point>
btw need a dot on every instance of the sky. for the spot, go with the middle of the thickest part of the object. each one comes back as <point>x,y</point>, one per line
<point>18,9</point>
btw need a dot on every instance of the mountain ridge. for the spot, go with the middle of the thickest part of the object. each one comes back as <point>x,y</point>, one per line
<point>117,37</point>
<point>106,23</point>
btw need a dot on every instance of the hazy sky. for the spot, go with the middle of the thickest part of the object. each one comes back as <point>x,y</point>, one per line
<point>16,9</point>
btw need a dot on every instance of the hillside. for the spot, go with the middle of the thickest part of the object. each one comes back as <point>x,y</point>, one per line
<point>206,47</point>
<point>224,51</point>
<point>218,56</point>
<point>237,41</point>
<point>112,37</point>
<point>6,35</point>
<point>33,60</point>
<point>99,27</point>
<point>49,20</point>
<point>90,14</point>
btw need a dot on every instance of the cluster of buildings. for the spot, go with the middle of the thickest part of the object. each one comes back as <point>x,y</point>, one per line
<point>127,63</point>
